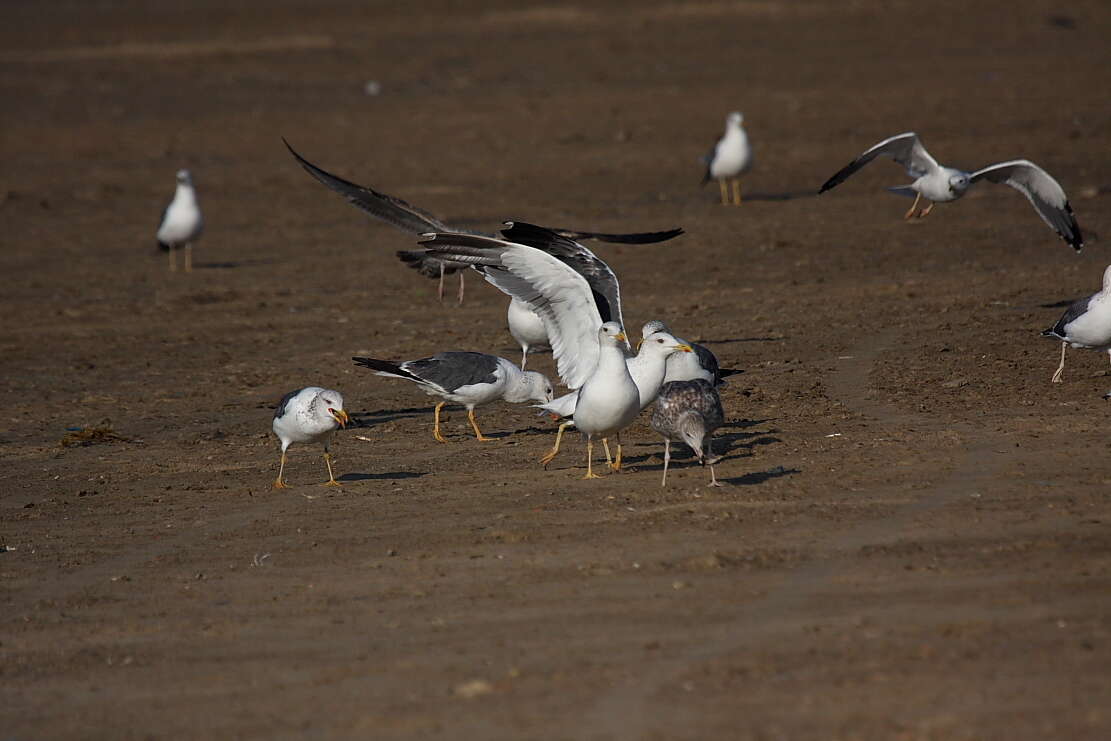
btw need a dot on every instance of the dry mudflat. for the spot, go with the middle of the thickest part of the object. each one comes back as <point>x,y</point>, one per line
<point>914,539</point>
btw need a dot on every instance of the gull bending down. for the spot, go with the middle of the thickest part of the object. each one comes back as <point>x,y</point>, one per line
<point>468,378</point>
<point>689,411</point>
<point>939,184</point>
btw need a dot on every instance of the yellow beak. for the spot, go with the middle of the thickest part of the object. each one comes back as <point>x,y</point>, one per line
<point>620,336</point>
<point>684,348</point>
<point>341,416</point>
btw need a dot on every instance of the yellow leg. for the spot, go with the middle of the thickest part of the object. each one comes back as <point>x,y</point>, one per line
<point>550,456</point>
<point>736,191</point>
<point>474,424</point>
<point>589,459</point>
<point>278,483</point>
<point>617,461</point>
<point>173,259</point>
<point>913,207</point>
<point>189,258</point>
<point>609,458</point>
<point>436,428</point>
<point>724,192</point>
<point>331,478</point>
<point>1061,368</point>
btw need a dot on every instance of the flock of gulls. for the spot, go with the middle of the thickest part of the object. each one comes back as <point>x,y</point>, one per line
<point>564,298</point>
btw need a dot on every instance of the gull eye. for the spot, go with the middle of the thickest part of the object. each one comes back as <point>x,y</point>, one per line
<point>660,342</point>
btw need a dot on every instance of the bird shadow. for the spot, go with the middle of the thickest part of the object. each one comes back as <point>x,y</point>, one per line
<point>391,476</point>
<point>726,447</point>
<point>233,264</point>
<point>742,339</point>
<point>759,477</point>
<point>370,419</point>
<point>785,196</point>
<point>1059,304</point>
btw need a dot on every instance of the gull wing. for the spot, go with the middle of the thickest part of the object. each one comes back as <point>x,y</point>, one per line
<point>602,279</point>
<point>906,149</point>
<point>1045,193</point>
<point>559,295</point>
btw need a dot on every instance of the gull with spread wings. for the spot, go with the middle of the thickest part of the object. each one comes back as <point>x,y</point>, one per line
<point>940,184</point>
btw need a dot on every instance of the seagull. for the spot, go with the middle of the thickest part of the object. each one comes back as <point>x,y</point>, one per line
<point>468,378</point>
<point>309,415</point>
<point>730,158</point>
<point>1086,324</point>
<point>182,222</point>
<point>702,363</point>
<point>689,411</point>
<point>939,184</point>
<point>409,218</point>
<point>527,328</point>
<point>571,311</point>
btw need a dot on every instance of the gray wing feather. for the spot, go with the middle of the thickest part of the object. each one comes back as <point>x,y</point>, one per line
<point>1044,193</point>
<point>906,149</point>
<point>452,370</point>
<point>280,412</point>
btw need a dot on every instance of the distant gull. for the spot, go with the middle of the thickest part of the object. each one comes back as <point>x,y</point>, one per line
<point>730,158</point>
<point>702,363</point>
<point>527,328</point>
<point>468,378</point>
<point>309,415</point>
<point>1085,324</point>
<point>689,411</point>
<point>409,218</point>
<point>182,222</point>
<point>939,184</point>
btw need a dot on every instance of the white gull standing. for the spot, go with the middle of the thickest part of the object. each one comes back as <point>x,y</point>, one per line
<point>730,158</point>
<point>309,415</point>
<point>468,378</point>
<point>939,184</point>
<point>1085,324</point>
<point>182,222</point>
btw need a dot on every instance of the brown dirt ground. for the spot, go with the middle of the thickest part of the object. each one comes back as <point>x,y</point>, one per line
<point>914,542</point>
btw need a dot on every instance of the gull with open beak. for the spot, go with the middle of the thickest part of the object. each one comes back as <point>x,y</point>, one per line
<point>309,415</point>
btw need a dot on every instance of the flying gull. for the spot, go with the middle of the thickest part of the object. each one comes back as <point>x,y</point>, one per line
<point>468,378</point>
<point>689,411</point>
<point>730,158</point>
<point>1085,324</point>
<point>939,184</point>
<point>309,415</point>
<point>409,218</point>
<point>182,222</point>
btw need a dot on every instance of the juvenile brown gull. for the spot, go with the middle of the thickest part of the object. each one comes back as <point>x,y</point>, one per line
<point>689,412</point>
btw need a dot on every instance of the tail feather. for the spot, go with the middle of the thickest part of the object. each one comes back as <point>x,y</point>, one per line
<point>385,368</point>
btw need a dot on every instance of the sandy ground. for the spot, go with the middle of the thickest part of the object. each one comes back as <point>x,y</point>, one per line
<point>914,539</point>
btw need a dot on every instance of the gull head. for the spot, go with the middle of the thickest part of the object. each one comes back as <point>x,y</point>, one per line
<point>958,183</point>
<point>652,327</point>
<point>537,387</point>
<point>611,332</point>
<point>662,343</point>
<point>736,118</point>
<point>184,177</point>
<point>693,431</point>
<point>329,405</point>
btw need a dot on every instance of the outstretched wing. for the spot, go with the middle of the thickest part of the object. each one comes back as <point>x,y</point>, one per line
<point>631,238</point>
<point>1045,193</point>
<point>603,281</point>
<point>559,295</point>
<point>906,149</point>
